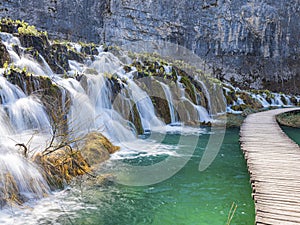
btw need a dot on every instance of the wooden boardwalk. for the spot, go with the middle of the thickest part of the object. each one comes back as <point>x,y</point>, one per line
<point>273,161</point>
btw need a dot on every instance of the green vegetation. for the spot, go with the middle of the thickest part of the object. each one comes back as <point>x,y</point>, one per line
<point>290,119</point>
<point>23,28</point>
<point>189,87</point>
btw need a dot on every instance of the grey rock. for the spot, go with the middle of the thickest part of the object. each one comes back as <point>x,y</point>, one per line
<point>250,43</point>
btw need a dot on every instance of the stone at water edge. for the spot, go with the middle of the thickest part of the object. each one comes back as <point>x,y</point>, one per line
<point>96,148</point>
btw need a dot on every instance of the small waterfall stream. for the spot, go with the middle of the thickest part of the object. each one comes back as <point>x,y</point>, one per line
<point>144,106</point>
<point>201,111</point>
<point>169,98</point>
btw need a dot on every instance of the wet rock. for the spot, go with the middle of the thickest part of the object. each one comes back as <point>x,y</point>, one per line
<point>38,43</point>
<point>89,49</point>
<point>61,166</point>
<point>4,55</point>
<point>96,148</point>
<point>134,117</point>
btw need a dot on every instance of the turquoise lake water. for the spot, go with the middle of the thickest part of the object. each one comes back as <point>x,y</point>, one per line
<point>188,198</point>
<point>293,133</point>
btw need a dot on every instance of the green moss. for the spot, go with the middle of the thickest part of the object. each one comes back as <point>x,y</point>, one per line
<point>283,99</point>
<point>136,120</point>
<point>248,100</point>
<point>189,88</point>
<point>22,27</point>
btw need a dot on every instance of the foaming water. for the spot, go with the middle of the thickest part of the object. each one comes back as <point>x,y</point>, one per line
<point>189,197</point>
<point>92,87</point>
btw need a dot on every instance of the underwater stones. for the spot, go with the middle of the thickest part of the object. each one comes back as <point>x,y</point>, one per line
<point>4,55</point>
<point>96,148</point>
<point>233,120</point>
<point>101,180</point>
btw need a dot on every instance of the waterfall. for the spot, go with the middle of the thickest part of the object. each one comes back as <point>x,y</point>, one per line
<point>169,98</point>
<point>28,180</point>
<point>262,100</point>
<point>5,128</point>
<point>207,94</point>
<point>92,88</point>
<point>27,113</point>
<point>203,115</point>
<point>24,112</point>
<point>144,106</point>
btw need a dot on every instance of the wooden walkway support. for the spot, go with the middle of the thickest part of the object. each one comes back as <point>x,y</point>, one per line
<point>273,161</point>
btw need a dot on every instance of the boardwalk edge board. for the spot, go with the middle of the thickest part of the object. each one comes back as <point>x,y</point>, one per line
<point>273,162</point>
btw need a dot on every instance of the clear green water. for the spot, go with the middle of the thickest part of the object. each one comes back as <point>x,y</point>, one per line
<point>190,197</point>
<point>293,133</point>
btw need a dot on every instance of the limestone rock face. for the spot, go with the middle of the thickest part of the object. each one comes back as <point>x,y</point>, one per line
<point>251,43</point>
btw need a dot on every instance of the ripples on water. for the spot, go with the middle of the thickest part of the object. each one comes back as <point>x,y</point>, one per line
<point>188,198</point>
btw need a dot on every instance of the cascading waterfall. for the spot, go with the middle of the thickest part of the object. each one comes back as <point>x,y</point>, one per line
<point>19,114</point>
<point>5,128</point>
<point>203,115</point>
<point>264,98</point>
<point>169,98</point>
<point>144,106</point>
<point>92,107</point>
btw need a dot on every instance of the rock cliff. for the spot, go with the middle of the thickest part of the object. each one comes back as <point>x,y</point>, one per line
<point>250,43</point>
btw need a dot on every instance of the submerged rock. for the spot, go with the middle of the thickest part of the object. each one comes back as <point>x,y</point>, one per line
<point>9,191</point>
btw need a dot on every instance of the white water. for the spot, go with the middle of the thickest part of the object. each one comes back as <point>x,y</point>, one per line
<point>91,108</point>
<point>201,111</point>
<point>169,98</point>
<point>274,99</point>
<point>144,106</point>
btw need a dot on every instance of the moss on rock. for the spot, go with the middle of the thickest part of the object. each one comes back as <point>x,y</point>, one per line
<point>189,88</point>
<point>4,55</point>
<point>134,117</point>
<point>249,101</point>
<point>97,148</point>
<point>61,166</point>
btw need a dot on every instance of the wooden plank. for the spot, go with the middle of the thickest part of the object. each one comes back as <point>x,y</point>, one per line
<point>273,161</point>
